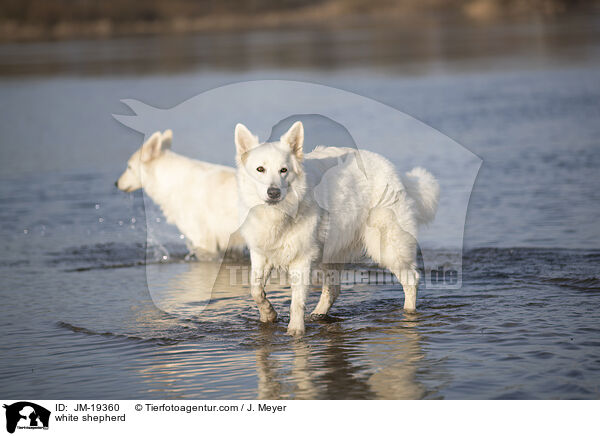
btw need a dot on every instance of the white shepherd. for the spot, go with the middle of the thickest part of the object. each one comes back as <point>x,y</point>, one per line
<point>200,198</point>
<point>326,208</point>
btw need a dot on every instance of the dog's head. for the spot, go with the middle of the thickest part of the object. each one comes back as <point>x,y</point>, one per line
<point>268,170</point>
<point>153,148</point>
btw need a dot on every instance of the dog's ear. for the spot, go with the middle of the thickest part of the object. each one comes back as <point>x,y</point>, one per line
<point>151,147</point>
<point>166,140</point>
<point>244,141</point>
<point>294,137</point>
<point>157,143</point>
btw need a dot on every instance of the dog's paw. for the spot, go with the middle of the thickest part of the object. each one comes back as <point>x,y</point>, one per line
<point>295,331</point>
<point>268,317</point>
<point>319,317</point>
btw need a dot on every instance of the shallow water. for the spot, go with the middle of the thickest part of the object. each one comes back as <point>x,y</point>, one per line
<point>79,321</point>
<point>524,325</point>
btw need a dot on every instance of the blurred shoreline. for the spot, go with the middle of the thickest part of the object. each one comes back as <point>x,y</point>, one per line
<point>38,20</point>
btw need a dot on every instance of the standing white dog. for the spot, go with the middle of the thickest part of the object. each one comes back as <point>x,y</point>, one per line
<point>332,206</point>
<point>198,197</point>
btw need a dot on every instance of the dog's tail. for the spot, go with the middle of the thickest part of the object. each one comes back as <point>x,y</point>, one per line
<point>424,189</point>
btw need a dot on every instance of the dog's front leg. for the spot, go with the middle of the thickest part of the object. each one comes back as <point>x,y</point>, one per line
<point>300,279</point>
<point>260,274</point>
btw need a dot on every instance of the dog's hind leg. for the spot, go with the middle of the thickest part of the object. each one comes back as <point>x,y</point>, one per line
<point>394,248</point>
<point>331,289</point>
<point>409,277</point>
<point>260,274</point>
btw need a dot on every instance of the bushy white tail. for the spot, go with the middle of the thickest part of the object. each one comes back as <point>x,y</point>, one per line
<point>424,189</point>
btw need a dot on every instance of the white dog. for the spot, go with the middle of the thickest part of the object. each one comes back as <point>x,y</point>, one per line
<point>198,197</point>
<point>332,206</point>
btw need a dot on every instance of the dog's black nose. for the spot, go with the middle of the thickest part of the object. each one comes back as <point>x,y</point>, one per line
<point>273,193</point>
<point>117,183</point>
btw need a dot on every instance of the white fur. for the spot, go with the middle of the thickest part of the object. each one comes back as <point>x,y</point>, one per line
<point>337,205</point>
<point>198,197</point>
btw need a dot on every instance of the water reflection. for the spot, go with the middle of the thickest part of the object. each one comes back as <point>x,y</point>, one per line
<point>186,289</point>
<point>284,380</point>
<point>333,364</point>
<point>397,357</point>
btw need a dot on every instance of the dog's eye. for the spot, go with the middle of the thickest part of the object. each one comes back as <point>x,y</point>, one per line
<point>283,170</point>
<point>260,169</point>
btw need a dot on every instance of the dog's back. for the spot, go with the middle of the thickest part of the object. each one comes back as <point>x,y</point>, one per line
<point>352,186</point>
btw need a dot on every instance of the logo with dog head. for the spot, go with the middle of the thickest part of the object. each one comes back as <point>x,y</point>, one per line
<point>201,199</point>
<point>26,415</point>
